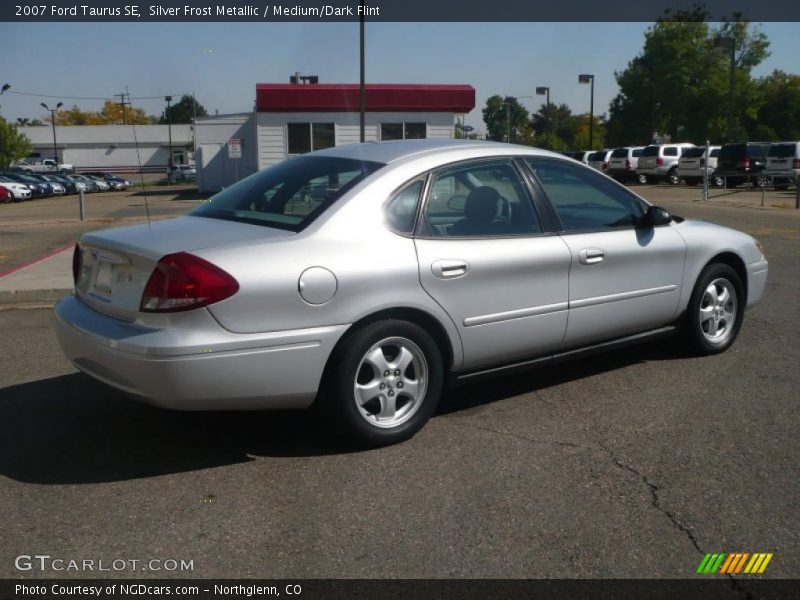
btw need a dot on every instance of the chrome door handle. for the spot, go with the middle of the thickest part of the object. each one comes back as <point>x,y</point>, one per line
<point>591,256</point>
<point>449,269</point>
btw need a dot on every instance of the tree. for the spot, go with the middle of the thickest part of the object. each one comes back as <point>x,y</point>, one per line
<point>184,110</point>
<point>778,117</point>
<point>13,144</point>
<point>501,114</point>
<point>111,114</point>
<point>678,85</point>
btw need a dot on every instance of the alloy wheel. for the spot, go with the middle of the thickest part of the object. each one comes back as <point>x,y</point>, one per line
<point>718,311</point>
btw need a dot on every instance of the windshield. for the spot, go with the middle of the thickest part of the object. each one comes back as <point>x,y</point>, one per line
<point>289,195</point>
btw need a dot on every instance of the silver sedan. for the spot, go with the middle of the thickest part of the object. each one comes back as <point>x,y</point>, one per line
<point>363,278</point>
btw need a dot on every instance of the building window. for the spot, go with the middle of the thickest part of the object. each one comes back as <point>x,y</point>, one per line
<point>305,137</point>
<point>403,131</point>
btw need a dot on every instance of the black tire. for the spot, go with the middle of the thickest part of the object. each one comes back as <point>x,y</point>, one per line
<point>337,396</point>
<point>642,179</point>
<point>692,181</point>
<point>694,328</point>
<point>672,177</point>
<point>717,180</point>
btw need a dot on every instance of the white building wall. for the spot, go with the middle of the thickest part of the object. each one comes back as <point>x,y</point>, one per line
<point>272,137</point>
<point>214,169</point>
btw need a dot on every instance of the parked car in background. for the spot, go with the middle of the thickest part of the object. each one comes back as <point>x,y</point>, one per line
<point>38,188</point>
<point>783,164</point>
<point>182,173</point>
<point>20,191</point>
<point>5,195</point>
<point>743,162</point>
<point>659,162</point>
<point>580,155</point>
<point>56,188</point>
<point>46,165</point>
<point>115,181</point>
<point>692,165</point>
<point>69,185</point>
<point>88,185</point>
<point>623,163</point>
<point>173,312</point>
<point>599,160</point>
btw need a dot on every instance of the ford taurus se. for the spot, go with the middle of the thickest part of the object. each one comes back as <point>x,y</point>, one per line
<point>362,278</point>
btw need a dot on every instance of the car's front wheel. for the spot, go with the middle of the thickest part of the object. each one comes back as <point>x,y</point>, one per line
<point>716,309</point>
<point>673,178</point>
<point>383,383</point>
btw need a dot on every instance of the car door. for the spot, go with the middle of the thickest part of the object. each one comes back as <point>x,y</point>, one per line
<point>624,278</point>
<point>491,260</point>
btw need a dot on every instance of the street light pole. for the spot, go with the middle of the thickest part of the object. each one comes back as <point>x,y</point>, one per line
<point>53,112</point>
<point>542,91</point>
<point>362,92</point>
<point>169,132</point>
<point>5,88</point>
<point>588,78</point>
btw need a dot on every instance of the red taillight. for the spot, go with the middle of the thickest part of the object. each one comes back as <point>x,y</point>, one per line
<point>184,281</point>
<point>627,165</point>
<point>659,162</point>
<point>746,163</point>
<point>702,162</point>
<point>77,262</point>
<point>605,166</point>
<point>796,163</point>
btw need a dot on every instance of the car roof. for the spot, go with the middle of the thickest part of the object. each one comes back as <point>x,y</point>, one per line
<point>395,150</point>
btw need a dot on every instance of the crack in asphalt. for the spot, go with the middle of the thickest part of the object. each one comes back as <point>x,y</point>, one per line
<point>654,489</point>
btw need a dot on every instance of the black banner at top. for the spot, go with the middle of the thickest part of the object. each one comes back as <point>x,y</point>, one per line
<point>395,10</point>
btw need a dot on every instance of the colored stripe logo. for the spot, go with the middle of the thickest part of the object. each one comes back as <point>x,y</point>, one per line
<point>735,563</point>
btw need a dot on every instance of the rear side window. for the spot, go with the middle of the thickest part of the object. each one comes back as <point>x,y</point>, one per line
<point>401,210</point>
<point>289,195</point>
<point>671,151</point>
<point>480,199</point>
<point>585,200</point>
<point>783,150</point>
<point>650,151</point>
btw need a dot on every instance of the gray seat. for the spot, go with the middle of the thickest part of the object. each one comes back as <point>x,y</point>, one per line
<point>480,212</point>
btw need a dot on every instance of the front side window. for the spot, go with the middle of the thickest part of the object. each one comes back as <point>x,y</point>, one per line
<point>479,200</point>
<point>289,195</point>
<point>584,200</point>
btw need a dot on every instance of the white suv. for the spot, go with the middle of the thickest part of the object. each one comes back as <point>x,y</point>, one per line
<point>623,162</point>
<point>599,160</point>
<point>692,165</point>
<point>783,163</point>
<point>659,162</point>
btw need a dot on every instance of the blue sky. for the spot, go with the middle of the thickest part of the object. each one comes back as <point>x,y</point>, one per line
<point>222,62</point>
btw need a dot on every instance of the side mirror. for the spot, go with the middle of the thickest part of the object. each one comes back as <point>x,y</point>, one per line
<point>656,216</point>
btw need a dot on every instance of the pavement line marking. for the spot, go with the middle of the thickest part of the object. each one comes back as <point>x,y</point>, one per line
<point>33,261</point>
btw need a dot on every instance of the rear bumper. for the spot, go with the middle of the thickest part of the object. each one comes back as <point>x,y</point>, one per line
<point>790,175</point>
<point>756,281</point>
<point>207,368</point>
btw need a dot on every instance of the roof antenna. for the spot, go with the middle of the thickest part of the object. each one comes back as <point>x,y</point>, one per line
<point>139,160</point>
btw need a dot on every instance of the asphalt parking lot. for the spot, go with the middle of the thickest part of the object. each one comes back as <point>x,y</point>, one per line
<point>630,464</point>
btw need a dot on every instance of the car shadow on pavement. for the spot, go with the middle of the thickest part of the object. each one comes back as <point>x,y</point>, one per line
<point>74,430</point>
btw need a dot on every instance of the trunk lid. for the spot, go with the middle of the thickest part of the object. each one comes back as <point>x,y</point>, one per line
<point>116,263</point>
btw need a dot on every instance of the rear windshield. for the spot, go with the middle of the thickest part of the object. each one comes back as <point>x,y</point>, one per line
<point>782,150</point>
<point>650,151</point>
<point>620,153</point>
<point>733,151</point>
<point>289,195</point>
<point>597,155</point>
<point>714,153</point>
<point>694,152</point>
<point>637,152</point>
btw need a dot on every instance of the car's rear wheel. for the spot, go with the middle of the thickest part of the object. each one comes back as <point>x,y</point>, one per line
<point>716,308</point>
<point>718,180</point>
<point>642,179</point>
<point>383,383</point>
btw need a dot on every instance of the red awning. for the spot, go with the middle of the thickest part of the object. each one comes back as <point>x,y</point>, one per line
<point>381,97</point>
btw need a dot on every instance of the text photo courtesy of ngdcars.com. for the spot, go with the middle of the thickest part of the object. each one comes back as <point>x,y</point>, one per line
<point>390,300</point>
